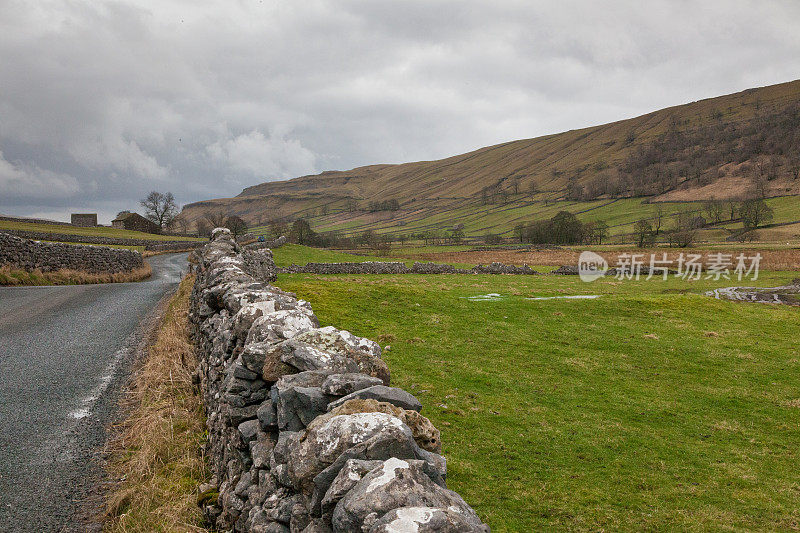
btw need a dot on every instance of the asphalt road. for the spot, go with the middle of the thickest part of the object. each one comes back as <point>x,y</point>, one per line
<point>64,353</point>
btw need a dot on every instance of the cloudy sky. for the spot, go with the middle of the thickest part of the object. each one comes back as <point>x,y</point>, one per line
<point>101,102</point>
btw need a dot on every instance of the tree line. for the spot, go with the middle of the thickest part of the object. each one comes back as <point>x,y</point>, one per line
<point>563,228</point>
<point>753,213</point>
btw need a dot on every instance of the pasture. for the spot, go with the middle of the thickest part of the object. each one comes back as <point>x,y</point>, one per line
<point>651,406</point>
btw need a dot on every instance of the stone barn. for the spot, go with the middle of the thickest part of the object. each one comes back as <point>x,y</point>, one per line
<point>84,220</point>
<point>135,222</point>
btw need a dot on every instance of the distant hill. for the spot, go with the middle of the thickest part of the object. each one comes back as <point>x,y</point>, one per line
<point>733,146</point>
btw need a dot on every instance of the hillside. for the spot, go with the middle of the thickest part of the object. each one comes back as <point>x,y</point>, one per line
<point>732,146</point>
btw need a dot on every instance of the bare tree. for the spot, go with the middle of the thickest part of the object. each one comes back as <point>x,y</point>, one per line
<point>237,226</point>
<point>179,224</point>
<point>713,210</point>
<point>160,208</point>
<point>216,219</point>
<point>658,219</point>
<point>733,208</point>
<point>351,205</point>
<point>278,228</point>
<point>644,233</point>
<point>684,232</point>
<point>754,213</point>
<point>601,231</point>
<point>203,227</point>
<point>794,167</point>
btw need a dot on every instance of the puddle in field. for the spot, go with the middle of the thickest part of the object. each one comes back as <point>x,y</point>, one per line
<point>494,297</point>
<point>491,297</point>
<point>573,297</point>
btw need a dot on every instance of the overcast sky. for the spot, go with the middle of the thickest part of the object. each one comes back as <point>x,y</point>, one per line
<point>101,102</point>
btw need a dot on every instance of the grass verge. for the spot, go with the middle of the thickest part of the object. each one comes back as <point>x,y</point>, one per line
<point>16,277</point>
<point>157,455</point>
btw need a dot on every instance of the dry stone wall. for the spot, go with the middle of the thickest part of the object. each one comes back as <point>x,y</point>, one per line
<point>305,433</point>
<point>149,244</point>
<point>47,257</point>
<point>382,267</point>
<point>276,243</point>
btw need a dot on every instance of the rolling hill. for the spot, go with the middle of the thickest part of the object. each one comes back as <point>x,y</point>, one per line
<point>729,147</point>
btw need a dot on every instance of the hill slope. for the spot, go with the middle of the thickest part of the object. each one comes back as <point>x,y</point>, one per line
<point>746,143</point>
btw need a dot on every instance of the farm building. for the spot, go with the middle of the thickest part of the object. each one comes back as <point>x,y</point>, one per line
<point>84,220</point>
<point>135,222</point>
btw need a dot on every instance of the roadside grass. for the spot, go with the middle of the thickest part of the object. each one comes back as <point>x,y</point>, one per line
<point>17,277</point>
<point>96,231</point>
<point>157,457</point>
<point>651,407</point>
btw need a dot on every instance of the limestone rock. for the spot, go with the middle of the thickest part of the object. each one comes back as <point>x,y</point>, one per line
<point>344,384</point>
<point>382,393</point>
<point>323,443</point>
<point>267,415</point>
<point>425,433</point>
<point>426,520</point>
<point>395,484</point>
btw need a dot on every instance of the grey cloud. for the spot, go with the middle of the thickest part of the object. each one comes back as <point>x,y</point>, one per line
<point>26,181</point>
<point>105,101</point>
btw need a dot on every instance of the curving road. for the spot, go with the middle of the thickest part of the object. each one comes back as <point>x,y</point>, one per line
<point>64,352</point>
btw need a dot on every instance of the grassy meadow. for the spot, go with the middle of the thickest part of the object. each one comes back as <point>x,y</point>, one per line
<point>650,407</point>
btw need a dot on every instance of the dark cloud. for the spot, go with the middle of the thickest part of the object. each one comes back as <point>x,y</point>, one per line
<point>101,102</point>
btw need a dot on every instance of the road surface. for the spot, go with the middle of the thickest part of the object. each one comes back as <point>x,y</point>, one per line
<point>64,352</point>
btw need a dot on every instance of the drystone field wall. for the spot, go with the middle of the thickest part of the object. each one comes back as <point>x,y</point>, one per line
<point>149,244</point>
<point>48,257</point>
<point>277,243</point>
<point>382,267</point>
<point>305,433</point>
<point>34,221</point>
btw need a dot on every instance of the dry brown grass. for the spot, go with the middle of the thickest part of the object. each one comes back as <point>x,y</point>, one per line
<point>157,456</point>
<point>785,259</point>
<point>16,276</point>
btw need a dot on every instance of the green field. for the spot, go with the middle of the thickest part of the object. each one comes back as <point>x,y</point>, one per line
<point>652,407</point>
<point>289,254</point>
<point>93,232</point>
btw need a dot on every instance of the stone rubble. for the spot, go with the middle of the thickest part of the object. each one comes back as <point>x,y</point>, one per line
<point>304,432</point>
